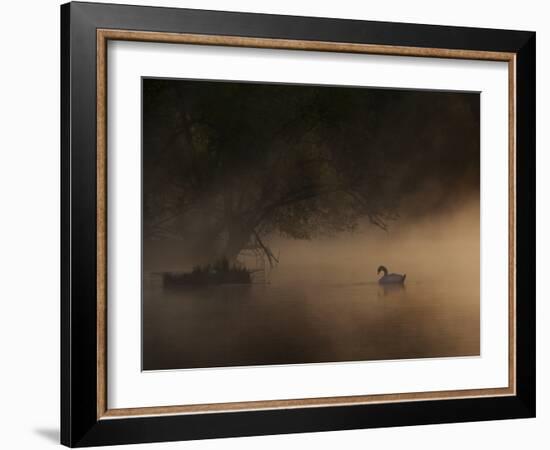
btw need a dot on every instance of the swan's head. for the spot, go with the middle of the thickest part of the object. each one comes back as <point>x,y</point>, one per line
<point>382,269</point>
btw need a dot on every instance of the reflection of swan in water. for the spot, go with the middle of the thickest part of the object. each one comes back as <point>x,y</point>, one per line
<point>395,289</point>
<point>390,278</point>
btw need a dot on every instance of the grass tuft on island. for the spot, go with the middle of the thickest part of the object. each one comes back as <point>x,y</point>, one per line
<point>219,272</point>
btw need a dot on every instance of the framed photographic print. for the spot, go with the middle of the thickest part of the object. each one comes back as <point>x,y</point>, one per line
<point>277,224</point>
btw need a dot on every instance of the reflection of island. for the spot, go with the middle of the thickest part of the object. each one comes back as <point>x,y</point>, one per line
<point>220,272</point>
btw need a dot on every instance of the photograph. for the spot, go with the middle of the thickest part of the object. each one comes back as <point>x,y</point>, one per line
<point>300,224</point>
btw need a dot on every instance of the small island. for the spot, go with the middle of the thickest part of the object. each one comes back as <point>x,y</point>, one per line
<point>219,272</point>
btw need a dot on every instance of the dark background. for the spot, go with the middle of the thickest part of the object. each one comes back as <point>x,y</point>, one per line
<point>226,161</point>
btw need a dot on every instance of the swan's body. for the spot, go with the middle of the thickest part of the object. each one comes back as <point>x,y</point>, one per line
<point>390,278</point>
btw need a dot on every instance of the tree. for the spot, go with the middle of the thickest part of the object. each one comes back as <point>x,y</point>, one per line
<point>230,163</point>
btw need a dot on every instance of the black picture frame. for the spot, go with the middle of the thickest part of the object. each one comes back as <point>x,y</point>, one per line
<point>80,425</point>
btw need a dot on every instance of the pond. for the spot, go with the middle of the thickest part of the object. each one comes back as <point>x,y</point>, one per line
<point>296,323</point>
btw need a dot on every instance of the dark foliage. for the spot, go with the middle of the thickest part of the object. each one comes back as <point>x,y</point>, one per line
<point>220,272</point>
<point>225,164</point>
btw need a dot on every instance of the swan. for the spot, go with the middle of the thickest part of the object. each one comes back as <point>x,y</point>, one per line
<point>390,278</point>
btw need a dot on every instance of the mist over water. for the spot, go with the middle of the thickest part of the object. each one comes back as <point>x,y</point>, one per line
<point>323,302</point>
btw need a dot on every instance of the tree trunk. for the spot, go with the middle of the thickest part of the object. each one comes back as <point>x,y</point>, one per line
<point>237,239</point>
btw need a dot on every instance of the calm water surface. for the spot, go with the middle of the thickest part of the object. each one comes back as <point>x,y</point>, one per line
<point>236,325</point>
